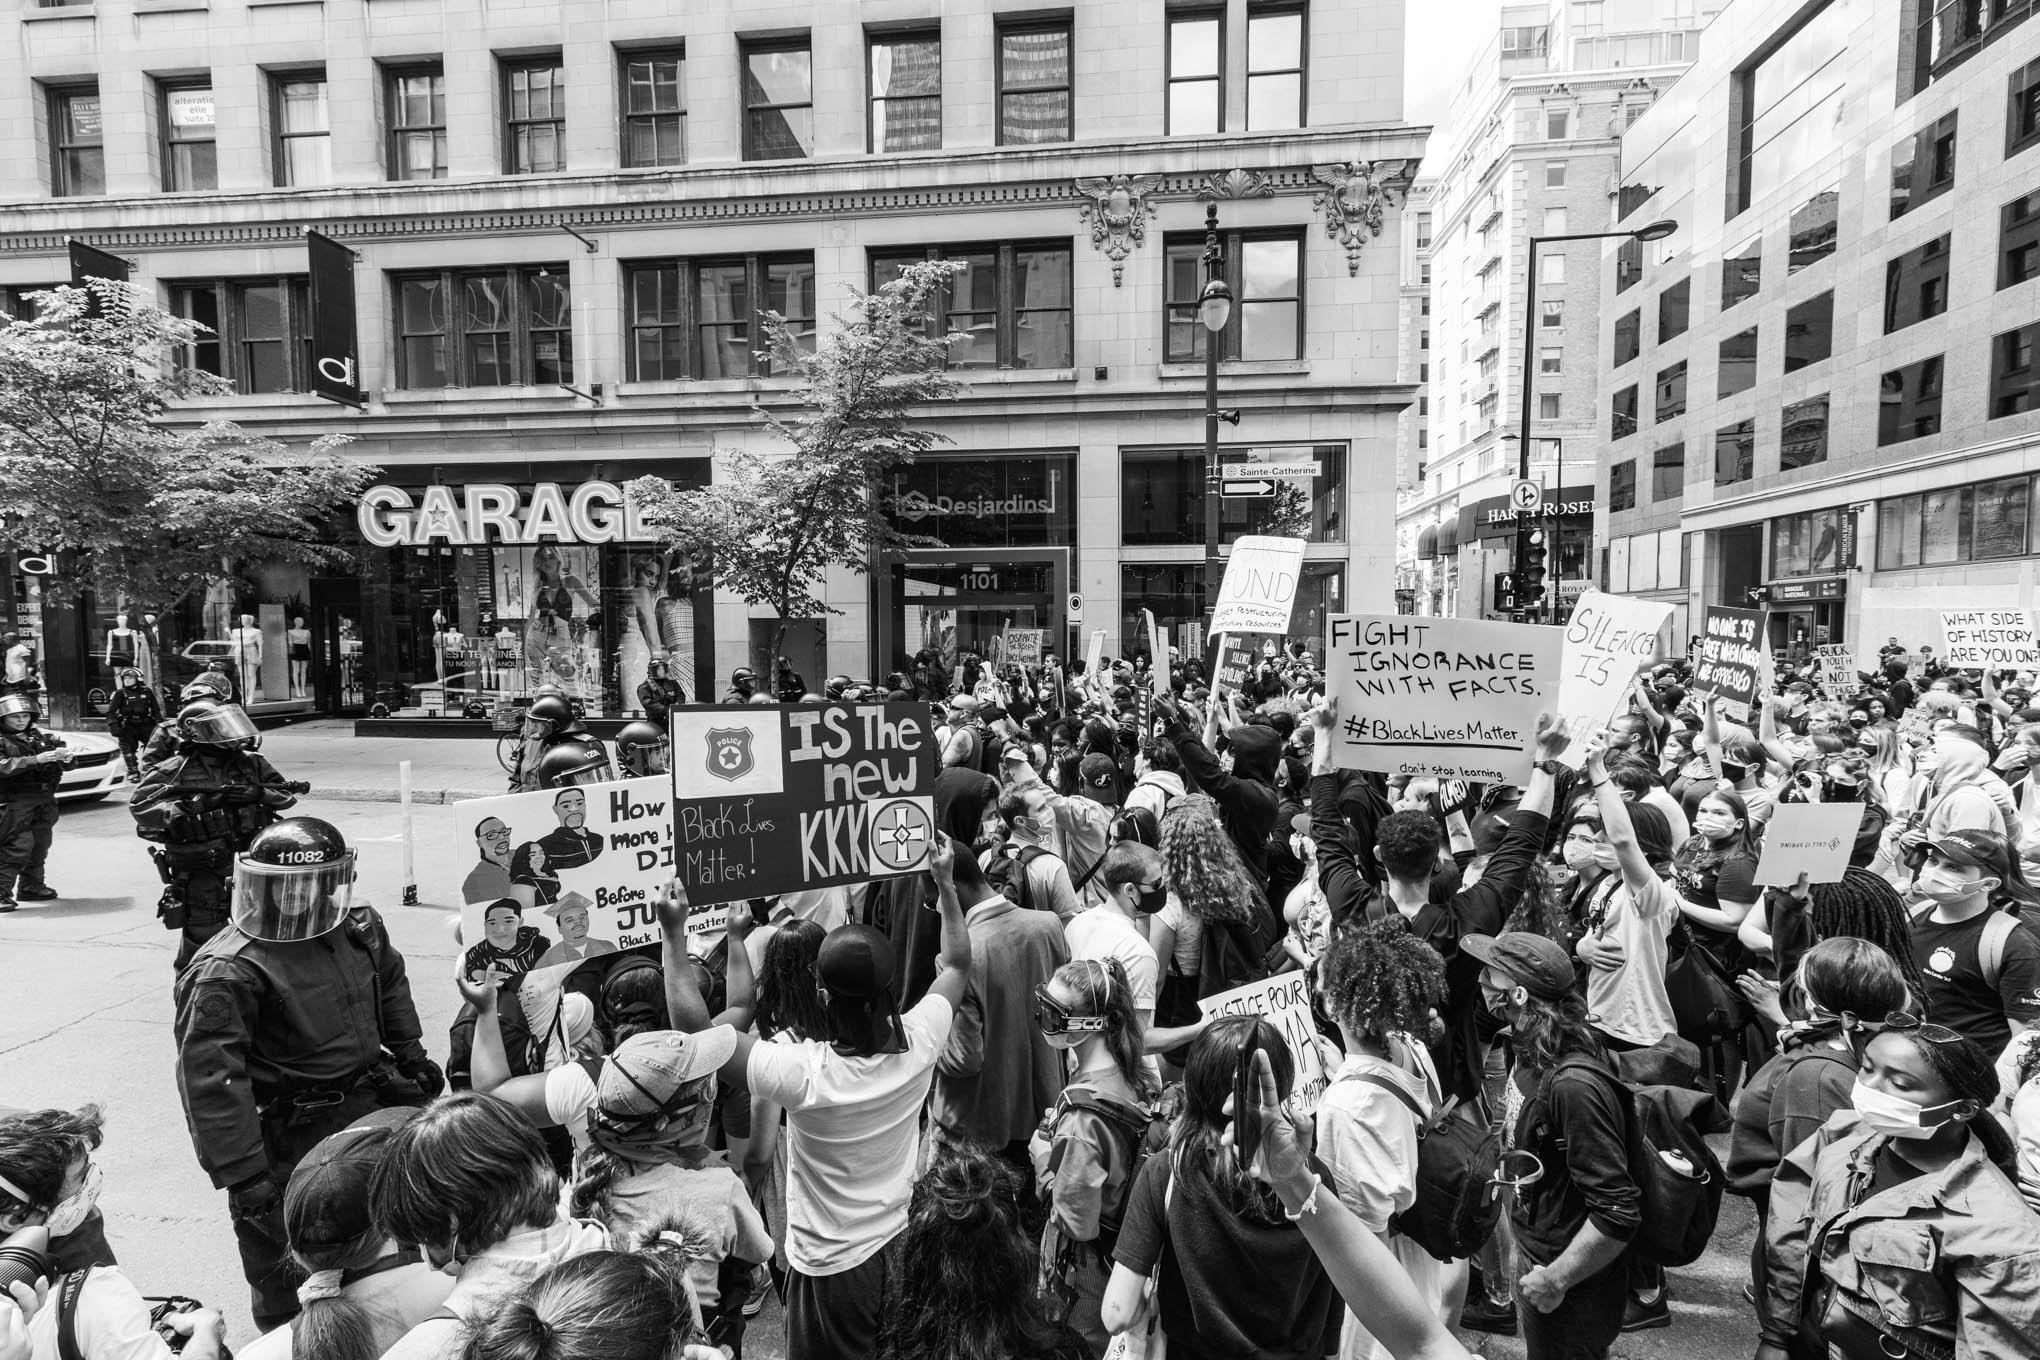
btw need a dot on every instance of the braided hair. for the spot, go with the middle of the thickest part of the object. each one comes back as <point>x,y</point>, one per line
<point>1866,907</point>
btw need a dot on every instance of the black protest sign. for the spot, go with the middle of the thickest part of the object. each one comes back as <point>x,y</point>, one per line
<point>778,800</point>
<point>1730,664</point>
<point>1235,664</point>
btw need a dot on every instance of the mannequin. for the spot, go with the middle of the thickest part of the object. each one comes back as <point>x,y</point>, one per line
<point>506,653</point>
<point>247,640</point>
<point>123,645</point>
<point>148,642</point>
<point>454,647</point>
<point>219,603</point>
<point>485,658</point>
<point>299,639</point>
<point>439,645</point>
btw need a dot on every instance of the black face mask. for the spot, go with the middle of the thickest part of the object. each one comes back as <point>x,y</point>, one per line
<point>1859,720</point>
<point>1152,900</point>
<point>1835,791</point>
<point>1734,774</point>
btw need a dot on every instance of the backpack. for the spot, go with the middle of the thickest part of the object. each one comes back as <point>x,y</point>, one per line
<point>1239,952</point>
<point>1680,1178</point>
<point>1140,1132</point>
<point>1458,1154</point>
<point>1998,926</point>
<point>1008,872</point>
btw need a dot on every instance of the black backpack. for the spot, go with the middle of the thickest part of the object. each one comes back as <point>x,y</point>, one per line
<point>1238,952</point>
<point>1458,1153</point>
<point>1008,872</point>
<point>1141,1133</point>
<point>1679,1175</point>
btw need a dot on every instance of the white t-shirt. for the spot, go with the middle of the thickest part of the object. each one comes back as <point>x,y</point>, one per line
<point>1630,1002</point>
<point>112,1322</point>
<point>1102,933</point>
<point>569,1096</point>
<point>852,1130</point>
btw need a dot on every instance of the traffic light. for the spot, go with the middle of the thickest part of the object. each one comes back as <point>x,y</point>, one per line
<point>1505,592</point>
<point>1530,571</point>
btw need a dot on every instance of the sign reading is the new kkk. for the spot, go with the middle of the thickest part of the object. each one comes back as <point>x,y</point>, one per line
<point>777,800</point>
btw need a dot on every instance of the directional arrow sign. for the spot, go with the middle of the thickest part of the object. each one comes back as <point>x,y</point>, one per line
<point>1246,487</point>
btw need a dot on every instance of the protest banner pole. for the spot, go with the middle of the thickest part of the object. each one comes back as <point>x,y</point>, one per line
<point>404,799</point>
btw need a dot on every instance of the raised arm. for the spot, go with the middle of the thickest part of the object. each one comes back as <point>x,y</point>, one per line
<point>1637,873</point>
<point>685,1010</point>
<point>1338,870</point>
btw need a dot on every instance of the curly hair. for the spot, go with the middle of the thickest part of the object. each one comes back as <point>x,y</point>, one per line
<point>1379,979</point>
<point>961,1279</point>
<point>1545,1031</point>
<point>786,983</point>
<point>1205,871</point>
<point>1409,844</point>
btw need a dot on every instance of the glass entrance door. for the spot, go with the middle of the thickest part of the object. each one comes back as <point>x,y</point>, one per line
<point>953,608</point>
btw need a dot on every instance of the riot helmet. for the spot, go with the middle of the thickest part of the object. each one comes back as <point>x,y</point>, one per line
<point>839,686</point>
<point>574,761</point>
<point>13,704</point>
<point>129,676</point>
<point>550,708</point>
<point>743,679</point>
<point>207,685</point>
<point>642,749</point>
<point>209,722</point>
<point>295,881</point>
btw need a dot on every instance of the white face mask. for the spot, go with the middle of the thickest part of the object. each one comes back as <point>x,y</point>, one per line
<point>70,1215</point>
<point>1579,856</point>
<point>1939,885</point>
<point>1898,1116</point>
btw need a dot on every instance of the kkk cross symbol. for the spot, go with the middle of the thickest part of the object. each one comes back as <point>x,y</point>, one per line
<point>900,837</point>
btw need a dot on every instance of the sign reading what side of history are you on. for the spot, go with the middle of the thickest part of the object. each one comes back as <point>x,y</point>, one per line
<point>778,800</point>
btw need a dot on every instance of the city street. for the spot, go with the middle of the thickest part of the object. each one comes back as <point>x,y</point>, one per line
<point>88,1019</point>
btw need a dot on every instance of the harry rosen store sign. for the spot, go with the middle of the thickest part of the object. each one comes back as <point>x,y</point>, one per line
<point>593,512</point>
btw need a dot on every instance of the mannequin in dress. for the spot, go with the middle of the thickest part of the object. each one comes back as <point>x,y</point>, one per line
<point>147,643</point>
<point>219,603</point>
<point>123,645</point>
<point>439,645</point>
<point>506,654</point>
<point>247,640</point>
<point>299,640</point>
<point>485,657</point>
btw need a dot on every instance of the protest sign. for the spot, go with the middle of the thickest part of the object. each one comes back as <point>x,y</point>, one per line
<point>1259,589</point>
<point>1814,839</point>
<point>1731,661</point>
<point>1158,655</point>
<point>1094,655</point>
<point>1235,664</point>
<point>779,800</point>
<point>1023,646</point>
<point>1990,639</point>
<point>1837,670</point>
<point>1455,698</point>
<point>1607,640</point>
<point>1284,1002</point>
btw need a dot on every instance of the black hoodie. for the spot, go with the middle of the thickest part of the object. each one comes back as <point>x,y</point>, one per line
<point>1246,797</point>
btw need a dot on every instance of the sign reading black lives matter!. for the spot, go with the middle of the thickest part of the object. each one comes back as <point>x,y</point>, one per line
<point>779,800</point>
<point>1730,664</point>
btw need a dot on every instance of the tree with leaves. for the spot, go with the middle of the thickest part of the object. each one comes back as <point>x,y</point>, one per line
<point>773,523</point>
<point>94,465</point>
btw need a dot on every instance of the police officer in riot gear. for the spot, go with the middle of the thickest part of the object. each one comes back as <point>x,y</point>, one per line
<point>743,684</point>
<point>660,693</point>
<point>163,742</point>
<point>293,1021</point>
<point>576,760</point>
<point>550,720</point>
<point>643,749</point>
<point>202,805</point>
<point>31,766</point>
<point>131,716</point>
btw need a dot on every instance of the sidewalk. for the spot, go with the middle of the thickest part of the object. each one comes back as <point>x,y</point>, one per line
<point>350,769</point>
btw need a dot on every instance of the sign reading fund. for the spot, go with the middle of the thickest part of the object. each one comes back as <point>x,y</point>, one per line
<point>777,800</point>
<point>1455,698</point>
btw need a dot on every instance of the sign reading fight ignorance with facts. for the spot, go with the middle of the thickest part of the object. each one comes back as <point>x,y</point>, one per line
<point>1730,665</point>
<point>1453,698</point>
<point>779,800</point>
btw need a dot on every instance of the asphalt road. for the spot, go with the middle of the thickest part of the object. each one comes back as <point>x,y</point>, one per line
<point>86,1017</point>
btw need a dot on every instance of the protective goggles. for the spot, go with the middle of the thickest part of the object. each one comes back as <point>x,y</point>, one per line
<point>1055,1020</point>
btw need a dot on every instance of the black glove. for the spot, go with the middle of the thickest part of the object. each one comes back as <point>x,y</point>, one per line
<point>425,1074</point>
<point>256,1197</point>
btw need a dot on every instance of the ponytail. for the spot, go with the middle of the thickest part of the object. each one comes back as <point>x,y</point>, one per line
<point>335,1327</point>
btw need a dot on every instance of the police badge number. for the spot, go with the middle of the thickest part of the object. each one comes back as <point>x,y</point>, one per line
<point>729,752</point>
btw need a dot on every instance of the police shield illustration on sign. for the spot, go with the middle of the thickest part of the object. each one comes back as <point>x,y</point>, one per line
<point>729,752</point>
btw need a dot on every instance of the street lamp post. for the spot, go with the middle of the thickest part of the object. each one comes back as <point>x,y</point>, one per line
<point>1214,310</point>
<point>1656,231</point>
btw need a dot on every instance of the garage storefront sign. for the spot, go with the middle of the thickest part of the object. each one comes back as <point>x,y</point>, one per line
<point>591,512</point>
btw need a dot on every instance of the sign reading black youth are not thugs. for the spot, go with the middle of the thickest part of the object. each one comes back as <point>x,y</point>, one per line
<point>779,800</point>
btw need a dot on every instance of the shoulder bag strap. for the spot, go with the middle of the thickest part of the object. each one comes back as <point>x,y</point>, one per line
<point>68,1290</point>
<point>1990,949</point>
<point>1409,1101</point>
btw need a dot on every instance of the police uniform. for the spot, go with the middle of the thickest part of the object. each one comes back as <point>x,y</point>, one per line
<point>28,811</point>
<point>132,715</point>
<point>658,696</point>
<point>280,1043</point>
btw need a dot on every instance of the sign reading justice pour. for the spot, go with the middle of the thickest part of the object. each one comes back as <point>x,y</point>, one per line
<point>777,800</point>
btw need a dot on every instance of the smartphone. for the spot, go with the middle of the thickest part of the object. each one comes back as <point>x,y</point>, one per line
<point>1246,1106</point>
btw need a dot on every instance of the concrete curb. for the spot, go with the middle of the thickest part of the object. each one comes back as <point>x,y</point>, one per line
<point>390,795</point>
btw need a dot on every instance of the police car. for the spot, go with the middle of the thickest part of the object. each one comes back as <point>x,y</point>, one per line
<point>97,770</point>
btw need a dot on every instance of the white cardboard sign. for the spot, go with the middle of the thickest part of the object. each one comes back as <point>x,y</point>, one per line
<point>1608,639</point>
<point>1284,1002</point>
<point>1814,839</point>
<point>1259,589</point>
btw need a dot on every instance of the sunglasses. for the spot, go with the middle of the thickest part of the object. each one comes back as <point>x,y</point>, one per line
<point>1054,1019</point>
<point>1905,1022</point>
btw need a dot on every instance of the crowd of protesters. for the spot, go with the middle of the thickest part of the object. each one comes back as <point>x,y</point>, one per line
<point>983,1113</point>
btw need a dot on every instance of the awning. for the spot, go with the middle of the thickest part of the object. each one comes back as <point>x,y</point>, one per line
<point>1427,544</point>
<point>1448,538</point>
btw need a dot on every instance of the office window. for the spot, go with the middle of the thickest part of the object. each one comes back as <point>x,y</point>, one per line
<point>1909,402</point>
<point>1622,486</point>
<point>1735,453</point>
<point>77,143</point>
<point>1554,174</point>
<point>304,134</point>
<point>417,120</point>
<point>1551,313</point>
<point>1265,271</point>
<point>1810,332</point>
<point>1916,285</point>
<point>2022,108</point>
<point>534,117</point>
<point>1967,523</point>
<point>1668,473</point>
<point>1548,406</point>
<point>261,332</point>
<point>1551,269</point>
<point>1557,124</point>
<point>1742,273</point>
<point>190,152</point>
<point>1785,107</point>
<point>779,97</point>
<point>1275,58</point>
<point>485,328</point>
<point>1034,84</point>
<point>1196,75</point>
<point>1803,433</point>
<point>1736,365</point>
<point>2019,240</point>
<point>1554,222</point>
<point>1923,166</point>
<point>2014,382</point>
<point>695,318</point>
<point>1622,413</point>
<point>1813,231</point>
<point>1671,392</point>
<point>1423,231</point>
<point>1807,544</point>
<point>1674,309</point>
<point>654,109</point>
<point>906,91</point>
<point>1628,337</point>
<point>1012,303</point>
<point>1628,264</point>
<point>1551,360</point>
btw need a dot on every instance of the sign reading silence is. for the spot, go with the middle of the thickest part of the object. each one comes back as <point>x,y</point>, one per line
<point>1259,589</point>
<point>779,800</point>
<point>1730,665</point>
<point>1607,640</point>
<point>1454,698</point>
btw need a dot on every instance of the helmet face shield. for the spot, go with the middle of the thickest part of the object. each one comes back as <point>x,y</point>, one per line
<point>288,902</point>
<point>14,704</point>
<point>655,759</point>
<point>223,725</point>
<point>598,773</point>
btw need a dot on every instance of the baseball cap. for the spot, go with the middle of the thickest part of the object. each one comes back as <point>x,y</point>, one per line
<point>1970,848</point>
<point>328,1202</point>
<point>855,961</point>
<point>1540,965</point>
<point>1097,769</point>
<point>641,1077</point>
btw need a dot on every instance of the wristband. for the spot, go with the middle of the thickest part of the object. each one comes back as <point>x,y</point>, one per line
<point>1309,1205</point>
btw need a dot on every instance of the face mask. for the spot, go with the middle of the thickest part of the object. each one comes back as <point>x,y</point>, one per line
<point>1604,855</point>
<point>1939,885</point>
<point>1898,1116</point>
<point>1151,900</point>
<point>1836,791</point>
<point>1579,856</point>
<point>1734,774</point>
<point>69,1216</point>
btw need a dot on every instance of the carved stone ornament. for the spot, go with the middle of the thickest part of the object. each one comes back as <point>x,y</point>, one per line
<point>1118,212</point>
<point>1356,195</point>
<point>1234,183</point>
